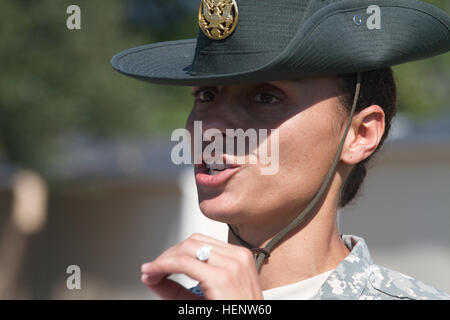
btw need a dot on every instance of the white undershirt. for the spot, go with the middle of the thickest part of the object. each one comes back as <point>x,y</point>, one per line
<point>302,290</point>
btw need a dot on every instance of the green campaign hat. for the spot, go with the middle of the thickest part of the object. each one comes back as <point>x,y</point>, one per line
<point>248,41</point>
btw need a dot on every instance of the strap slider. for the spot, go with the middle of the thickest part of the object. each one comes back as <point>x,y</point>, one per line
<point>258,251</point>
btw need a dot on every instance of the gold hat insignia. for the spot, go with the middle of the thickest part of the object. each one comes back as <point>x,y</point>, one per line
<point>218,18</point>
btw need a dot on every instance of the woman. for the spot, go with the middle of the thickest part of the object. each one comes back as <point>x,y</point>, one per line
<point>319,73</point>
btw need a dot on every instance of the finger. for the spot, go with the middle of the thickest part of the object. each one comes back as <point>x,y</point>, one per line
<point>219,271</point>
<point>216,259</point>
<point>164,266</point>
<point>213,241</point>
<point>183,251</point>
<point>232,252</point>
<point>170,290</point>
<point>179,259</point>
<point>209,272</point>
<point>200,240</point>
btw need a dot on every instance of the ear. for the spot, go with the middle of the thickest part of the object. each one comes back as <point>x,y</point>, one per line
<point>364,135</point>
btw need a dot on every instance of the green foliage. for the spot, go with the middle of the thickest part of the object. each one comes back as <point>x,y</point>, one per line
<point>424,86</point>
<point>53,80</point>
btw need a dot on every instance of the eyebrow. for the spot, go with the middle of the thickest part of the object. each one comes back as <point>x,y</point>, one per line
<point>276,85</point>
<point>196,89</point>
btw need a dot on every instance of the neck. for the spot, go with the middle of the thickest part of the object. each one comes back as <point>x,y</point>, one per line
<point>309,250</point>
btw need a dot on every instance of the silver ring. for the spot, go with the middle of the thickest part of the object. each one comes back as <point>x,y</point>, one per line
<point>203,253</point>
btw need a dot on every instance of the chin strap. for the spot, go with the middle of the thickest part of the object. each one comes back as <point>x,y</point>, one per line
<point>261,254</point>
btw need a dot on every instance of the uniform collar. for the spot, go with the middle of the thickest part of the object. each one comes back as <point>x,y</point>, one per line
<point>349,278</point>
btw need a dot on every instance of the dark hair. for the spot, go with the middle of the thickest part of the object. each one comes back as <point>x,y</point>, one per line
<point>377,88</point>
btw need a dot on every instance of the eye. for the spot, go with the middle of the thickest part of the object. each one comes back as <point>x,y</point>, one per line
<point>265,98</point>
<point>205,96</point>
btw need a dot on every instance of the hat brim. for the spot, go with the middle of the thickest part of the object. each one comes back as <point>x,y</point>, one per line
<point>328,43</point>
<point>169,63</point>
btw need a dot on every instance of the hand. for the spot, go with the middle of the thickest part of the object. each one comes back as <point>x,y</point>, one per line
<point>229,273</point>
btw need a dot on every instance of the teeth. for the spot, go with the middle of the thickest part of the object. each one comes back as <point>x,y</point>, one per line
<point>213,172</point>
<point>217,166</point>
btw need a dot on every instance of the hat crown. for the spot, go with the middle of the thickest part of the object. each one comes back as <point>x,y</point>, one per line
<point>264,28</point>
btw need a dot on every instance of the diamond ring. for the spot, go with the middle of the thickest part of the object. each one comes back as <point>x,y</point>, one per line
<point>203,253</point>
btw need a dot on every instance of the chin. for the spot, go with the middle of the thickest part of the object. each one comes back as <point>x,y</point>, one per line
<point>221,208</point>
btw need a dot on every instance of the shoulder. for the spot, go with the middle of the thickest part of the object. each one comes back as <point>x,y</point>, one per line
<point>384,283</point>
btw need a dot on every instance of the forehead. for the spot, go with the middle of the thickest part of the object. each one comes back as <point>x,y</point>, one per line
<point>319,82</point>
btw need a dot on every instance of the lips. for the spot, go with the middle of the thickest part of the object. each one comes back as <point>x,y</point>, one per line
<point>214,174</point>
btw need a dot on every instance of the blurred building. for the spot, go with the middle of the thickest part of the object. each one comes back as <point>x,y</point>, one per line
<point>117,205</point>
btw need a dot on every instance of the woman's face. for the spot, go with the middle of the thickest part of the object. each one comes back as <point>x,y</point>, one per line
<point>309,122</point>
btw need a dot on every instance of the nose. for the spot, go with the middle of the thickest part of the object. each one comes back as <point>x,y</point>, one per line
<point>215,120</point>
<point>214,124</point>
<point>219,115</point>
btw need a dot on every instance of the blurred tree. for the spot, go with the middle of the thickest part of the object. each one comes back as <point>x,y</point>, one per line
<point>54,81</point>
<point>162,18</point>
<point>424,86</point>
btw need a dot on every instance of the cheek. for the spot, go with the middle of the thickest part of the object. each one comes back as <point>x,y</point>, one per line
<point>306,147</point>
<point>303,162</point>
<point>190,128</point>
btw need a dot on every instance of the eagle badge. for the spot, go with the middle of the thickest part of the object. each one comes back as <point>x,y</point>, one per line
<point>218,18</point>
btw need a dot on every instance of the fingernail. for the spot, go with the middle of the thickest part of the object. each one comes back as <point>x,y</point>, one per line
<point>145,266</point>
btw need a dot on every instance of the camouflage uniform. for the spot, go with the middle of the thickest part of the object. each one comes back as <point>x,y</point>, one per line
<point>358,278</point>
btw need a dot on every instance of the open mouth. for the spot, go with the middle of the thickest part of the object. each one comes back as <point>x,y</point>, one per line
<point>215,168</point>
<point>214,174</point>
